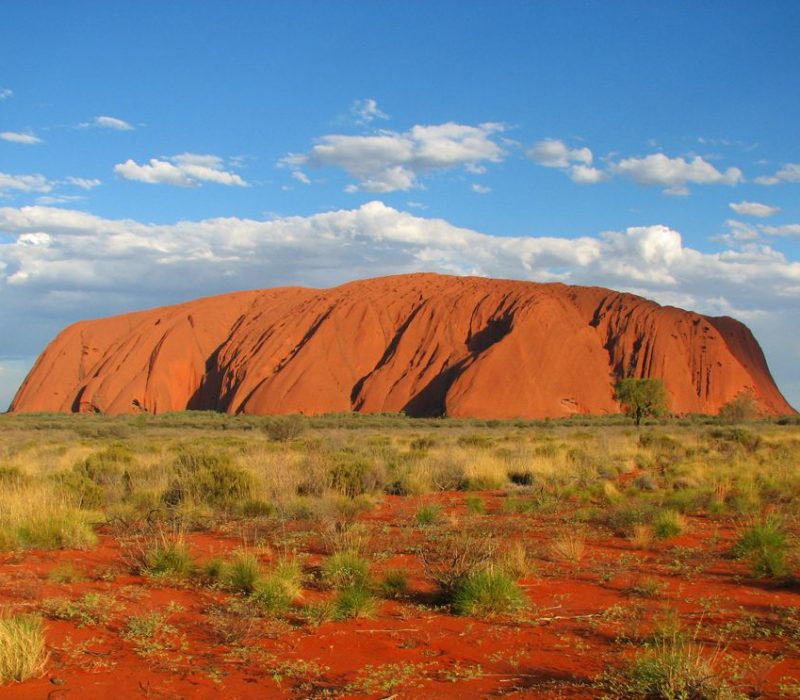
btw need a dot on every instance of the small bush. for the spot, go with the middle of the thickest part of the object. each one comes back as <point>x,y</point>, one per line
<point>210,478</point>
<point>242,573</point>
<point>278,589</point>
<point>568,547</point>
<point>394,583</point>
<point>354,600</point>
<point>428,514</point>
<point>284,428</point>
<point>22,647</point>
<point>475,505</point>
<point>352,475</point>
<point>672,668</point>
<point>766,545</point>
<point>170,559</point>
<point>487,592</point>
<point>345,569</point>
<point>668,523</point>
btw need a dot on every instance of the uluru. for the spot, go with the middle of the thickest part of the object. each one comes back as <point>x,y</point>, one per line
<point>422,344</point>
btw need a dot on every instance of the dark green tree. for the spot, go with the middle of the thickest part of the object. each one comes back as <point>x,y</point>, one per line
<point>641,398</point>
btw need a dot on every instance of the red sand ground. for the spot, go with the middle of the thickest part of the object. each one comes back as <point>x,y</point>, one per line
<point>423,344</point>
<point>579,619</point>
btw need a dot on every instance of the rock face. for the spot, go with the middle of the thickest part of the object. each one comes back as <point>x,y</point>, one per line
<point>425,344</point>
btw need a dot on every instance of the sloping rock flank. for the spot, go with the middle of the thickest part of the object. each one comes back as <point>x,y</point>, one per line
<point>425,344</point>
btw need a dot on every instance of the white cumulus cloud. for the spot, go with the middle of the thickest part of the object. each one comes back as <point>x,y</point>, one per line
<point>106,122</point>
<point>184,170</point>
<point>20,137</point>
<point>5,93</point>
<point>788,230</point>
<point>761,211</point>
<point>674,173</point>
<point>390,160</point>
<point>553,153</point>
<point>24,183</point>
<point>788,173</point>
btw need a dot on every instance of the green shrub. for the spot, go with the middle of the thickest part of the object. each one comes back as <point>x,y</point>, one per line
<point>171,559</point>
<point>22,647</point>
<point>63,528</point>
<point>487,592</point>
<point>765,544</point>
<point>353,475</point>
<point>256,508</point>
<point>284,428</point>
<point>428,514</point>
<point>671,668</point>
<point>668,523</point>
<point>475,505</point>
<point>394,583</point>
<point>242,573</point>
<point>208,477</point>
<point>345,569</point>
<point>277,590</point>
<point>355,600</point>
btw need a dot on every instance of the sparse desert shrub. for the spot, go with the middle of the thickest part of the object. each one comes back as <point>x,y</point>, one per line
<point>279,588</point>
<point>22,647</point>
<point>284,428</point>
<point>475,505</point>
<point>642,536</point>
<point>36,517</point>
<point>514,560</point>
<point>569,546</point>
<point>428,514</point>
<point>256,508</point>
<point>344,569</point>
<point>394,583</point>
<point>90,609</point>
<point>208,477</point>
<point>450,558</point>
<point>765,544</point>
<point>487,592</point>
<point>353,475</point>
<point>668,523</point>
<point>242,573</point>
<point>170,558</point>
<point>521,477</point>
<point>672,668</point>
<point>354,600</point>
<point>741,408</point>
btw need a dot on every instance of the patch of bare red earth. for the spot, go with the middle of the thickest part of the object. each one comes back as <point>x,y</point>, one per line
<point>557,649</point>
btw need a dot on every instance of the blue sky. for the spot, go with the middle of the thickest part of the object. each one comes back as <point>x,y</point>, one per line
<point>157,152</point>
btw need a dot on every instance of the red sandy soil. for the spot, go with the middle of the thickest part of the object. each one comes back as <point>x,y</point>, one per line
<point>583,618</point>
<point>423,344</point>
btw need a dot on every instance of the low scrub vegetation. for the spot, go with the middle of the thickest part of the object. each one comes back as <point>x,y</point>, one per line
<point>235,538</point>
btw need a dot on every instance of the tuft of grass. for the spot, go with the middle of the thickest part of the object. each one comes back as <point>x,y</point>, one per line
<point>172,559</point>
<point>672,668</point>
<point>394,583</point>
<point>65,573</point>
<point>765,543</point>
<point>475,505</point>
<point>279,588</point>
<point>487,592</point>
<point>668,523</point>
<point>22,647</point>
<point>345,569</point>
<point>428,514</point>
<point>242,573</point>
<point>568,547</point>
<point>42,518</point>
<point>352,601</point>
